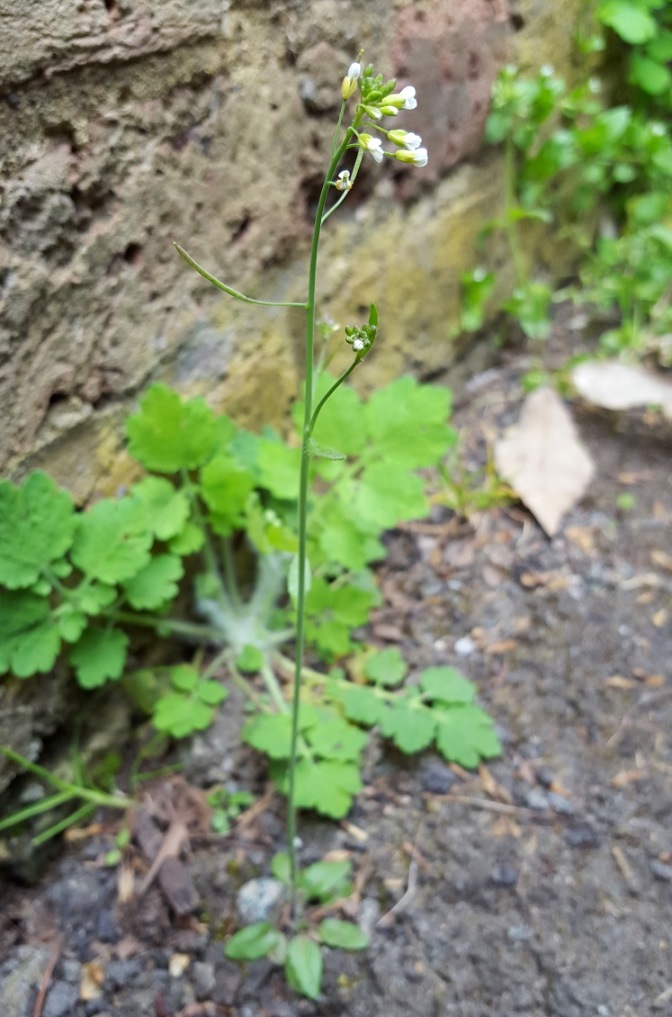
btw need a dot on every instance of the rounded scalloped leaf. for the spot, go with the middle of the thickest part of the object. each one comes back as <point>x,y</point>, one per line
<point>167,509</point>
<point>37,524</point>
<point>29,638</point>
<point>169,435</point>
<point>99,655</point>
<point>112,541</point>
<point>156,584</point>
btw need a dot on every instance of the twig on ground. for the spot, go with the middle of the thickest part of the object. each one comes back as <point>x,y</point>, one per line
<point>46,977</point>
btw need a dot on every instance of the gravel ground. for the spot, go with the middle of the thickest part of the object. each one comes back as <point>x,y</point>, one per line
<point>539,887</point>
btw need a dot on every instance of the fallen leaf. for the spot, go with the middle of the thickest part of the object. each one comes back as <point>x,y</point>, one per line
<point>543,459</point>
<point>178,964</point>
<point>91,981</point>
<point>622,386</point>
<point>626,777</point>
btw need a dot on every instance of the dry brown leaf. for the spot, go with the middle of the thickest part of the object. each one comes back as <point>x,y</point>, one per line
<point>622,386</point>
<point>543,459</point>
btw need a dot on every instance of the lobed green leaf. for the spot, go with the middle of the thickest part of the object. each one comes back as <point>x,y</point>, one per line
<point>29,637</point>
<point>465,735</point>
<point>37,525</point>
<point>155,584</point>
<point>112,542</point>
<point>99,655</point>
<point>169,434</point>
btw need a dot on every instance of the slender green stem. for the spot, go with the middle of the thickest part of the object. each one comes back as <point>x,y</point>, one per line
<point>325,398</point>
<point>271,683</point>
<point>44,805</point>
<point>510,228</point>
<point>190,630</point>
<point>77,791</point>
<point>303,507</point>
<point>81,813</point>
<point>228,289</point>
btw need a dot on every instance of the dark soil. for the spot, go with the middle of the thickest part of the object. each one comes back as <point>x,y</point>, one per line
<point>539,887</point>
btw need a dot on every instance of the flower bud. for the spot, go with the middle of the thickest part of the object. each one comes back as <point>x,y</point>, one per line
<point>349,86</point>
<point>417,158</point>
<point>405,139</point>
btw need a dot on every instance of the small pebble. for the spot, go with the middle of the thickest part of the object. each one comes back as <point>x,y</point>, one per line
<point>61,1000</point>
<point>537,799</point>
<point>582,836</point>
<point>437,778</point>
<point>519,933</point>
<point>260,900</point>
<point>660,870</point>
<point>561,804</point>
<point>504,875</point>
<point>464,646</point>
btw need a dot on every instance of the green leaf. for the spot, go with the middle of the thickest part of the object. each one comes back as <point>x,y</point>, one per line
<point>303,967</point>
<point>631,22</point>
<point>387,667</point>
<point>37,525</point>
<point>92,598</point>
<point>280,867</point>
<point>410,727</point>
<point>327,786</point>
<point>71,622</point>
<point>269,733</point>
<point>189,540</point>
<point>226,486</point>
<point>156,584</point>
<point>190,708</point>
<point>250,659</point>
<point>279,469</point>
<point>384,495</point>
<point>465,734</point>
<point>112,541</point>
<point>253,942</point>
<point>447,684</point>
<point>653,77</point>
<point>360,702</point>
<point>407,423</point>
<point>342,422</point>
<point>332,612</point>
<point>29,637</point>
<point>336,739</point>
<point>320,452</point>
<point>167,510</point>
<point>342,935</point>
<point>169,435</point>
<point>184,677</point>
<point>98,656</point>
<point>322,880</point>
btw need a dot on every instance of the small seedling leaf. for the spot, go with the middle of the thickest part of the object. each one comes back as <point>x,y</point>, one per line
<point>253,942</point>
<point>342,935</point>
<point>303,967</point>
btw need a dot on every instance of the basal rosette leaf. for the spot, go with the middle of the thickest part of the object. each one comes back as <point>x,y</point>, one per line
<point>253,942</point>
<point>269,733</point>
<point>29,637</point>
<point>383,495</point>
<point>342,935</point>
<point>167,510</point>
<point>386,667</point>
<point>410,725</point>
<point>168,434</point>
<point>189,540</point>
<point>303,967</point>
<point>407,423</point>
<point>112,541</point>
<point>447,685</point>
<point>156,584</point>
<point>465,735</point>
<point>37,525</point>
<point>327,786</point>
<point>99,656</point>
<point>361,703</point>
<point>226,487</point>
<point>334,738</point>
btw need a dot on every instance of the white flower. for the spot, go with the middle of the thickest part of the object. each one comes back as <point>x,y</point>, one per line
<point>417,158</point>
<point>372,145</point>
<point>405,139</point>
<point>408,95</point>
<point>344,183</point>
<point>401,100</point>
<point>349,86</point>
<point>358,345</point>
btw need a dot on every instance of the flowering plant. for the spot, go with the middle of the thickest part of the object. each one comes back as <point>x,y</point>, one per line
<point>375,100</point>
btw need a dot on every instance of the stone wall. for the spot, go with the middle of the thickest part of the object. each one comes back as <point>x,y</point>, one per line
<point>131,123</point>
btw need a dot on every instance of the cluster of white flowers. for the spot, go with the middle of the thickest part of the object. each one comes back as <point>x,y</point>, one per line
<point>378,100</point>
